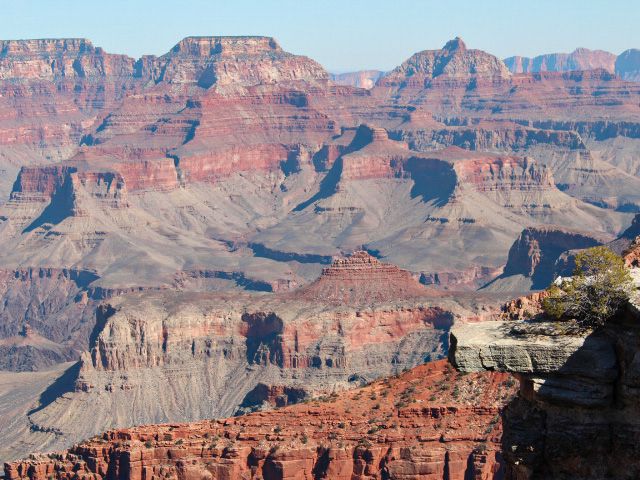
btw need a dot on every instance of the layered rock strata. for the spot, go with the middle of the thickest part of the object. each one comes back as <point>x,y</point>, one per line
<point>577,410</point>
<point>361,278</point>
<point>422,424</point>
<point>169,356</point>
<point>540,254</point>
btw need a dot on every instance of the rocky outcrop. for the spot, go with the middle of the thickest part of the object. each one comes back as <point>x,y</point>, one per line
<point>456,81</point>
<point>233,61</point>
<point>539,254</point>
<point>190,356</point>
<point>626,65</point>
<point>51,90</point>
<point>576,413</point>
<point>361,279</point>
<point>422,424</point>
<point>579,59</point>
<point>47,315</point>
<point>52,59</point>
<point>454,61</point>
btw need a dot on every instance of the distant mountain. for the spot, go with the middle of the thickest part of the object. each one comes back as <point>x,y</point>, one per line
<point>626,65</point>
<point>361,78</point>
<point>579,59</point>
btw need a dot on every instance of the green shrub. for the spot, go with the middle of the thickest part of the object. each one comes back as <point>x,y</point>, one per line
<point>600,286</point>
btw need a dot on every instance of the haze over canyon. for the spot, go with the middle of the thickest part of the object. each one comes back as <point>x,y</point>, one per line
<point>225,262</point>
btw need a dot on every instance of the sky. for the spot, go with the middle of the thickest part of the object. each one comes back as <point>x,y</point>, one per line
<point>343,35</point>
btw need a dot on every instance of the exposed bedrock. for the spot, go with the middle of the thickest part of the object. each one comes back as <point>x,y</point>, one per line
<point>539,254</point>
<point>576,415</point>
<point>421,424</point>
<point>169,356</point>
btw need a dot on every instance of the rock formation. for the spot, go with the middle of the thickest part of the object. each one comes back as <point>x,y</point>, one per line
<point>453,61</point>
<point>360,279</point>
<point>628,65</point>
<point>576,413</point>
<point>166,186</point>
<point>538,256</point>
<point>579,59</point>
<point>168,356</point>
<point>423,424</point>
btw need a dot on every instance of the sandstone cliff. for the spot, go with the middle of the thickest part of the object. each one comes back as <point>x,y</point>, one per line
<point>422,424</point>
<point>539,255</point>
<point>229,163</point>
<point>169,356</point>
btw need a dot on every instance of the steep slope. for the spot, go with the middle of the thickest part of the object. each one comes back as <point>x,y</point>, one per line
<point>168,356</point>
<point>360,279</point>
<point>50,92</point>
<point>539,254</point>
<point>576,412</point>
<point>421,424</point>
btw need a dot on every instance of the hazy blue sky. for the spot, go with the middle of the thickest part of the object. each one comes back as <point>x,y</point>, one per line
<point>340,34</point>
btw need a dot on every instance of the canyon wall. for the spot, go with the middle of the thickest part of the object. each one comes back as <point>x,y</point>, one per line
<point>576,412</point>
<point>420,424</point>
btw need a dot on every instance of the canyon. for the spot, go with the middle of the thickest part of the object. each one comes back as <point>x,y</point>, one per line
<point>231,242</point>
<point>170,356</point>
<point>415,425</point>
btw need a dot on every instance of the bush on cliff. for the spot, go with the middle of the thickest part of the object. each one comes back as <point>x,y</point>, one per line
<point>600,286</point>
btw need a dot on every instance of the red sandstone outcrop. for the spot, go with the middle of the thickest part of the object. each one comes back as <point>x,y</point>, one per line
<point>188,356</point>
<point>361,279</point>
<point>426,423</point>
<point>631,254</point>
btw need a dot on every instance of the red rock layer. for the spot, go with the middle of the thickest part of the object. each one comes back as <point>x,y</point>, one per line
<point>361,278</point>
<point>429,423</point>
<point>142,335</point>
<point>455,81</point>
<point>51,90</point>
